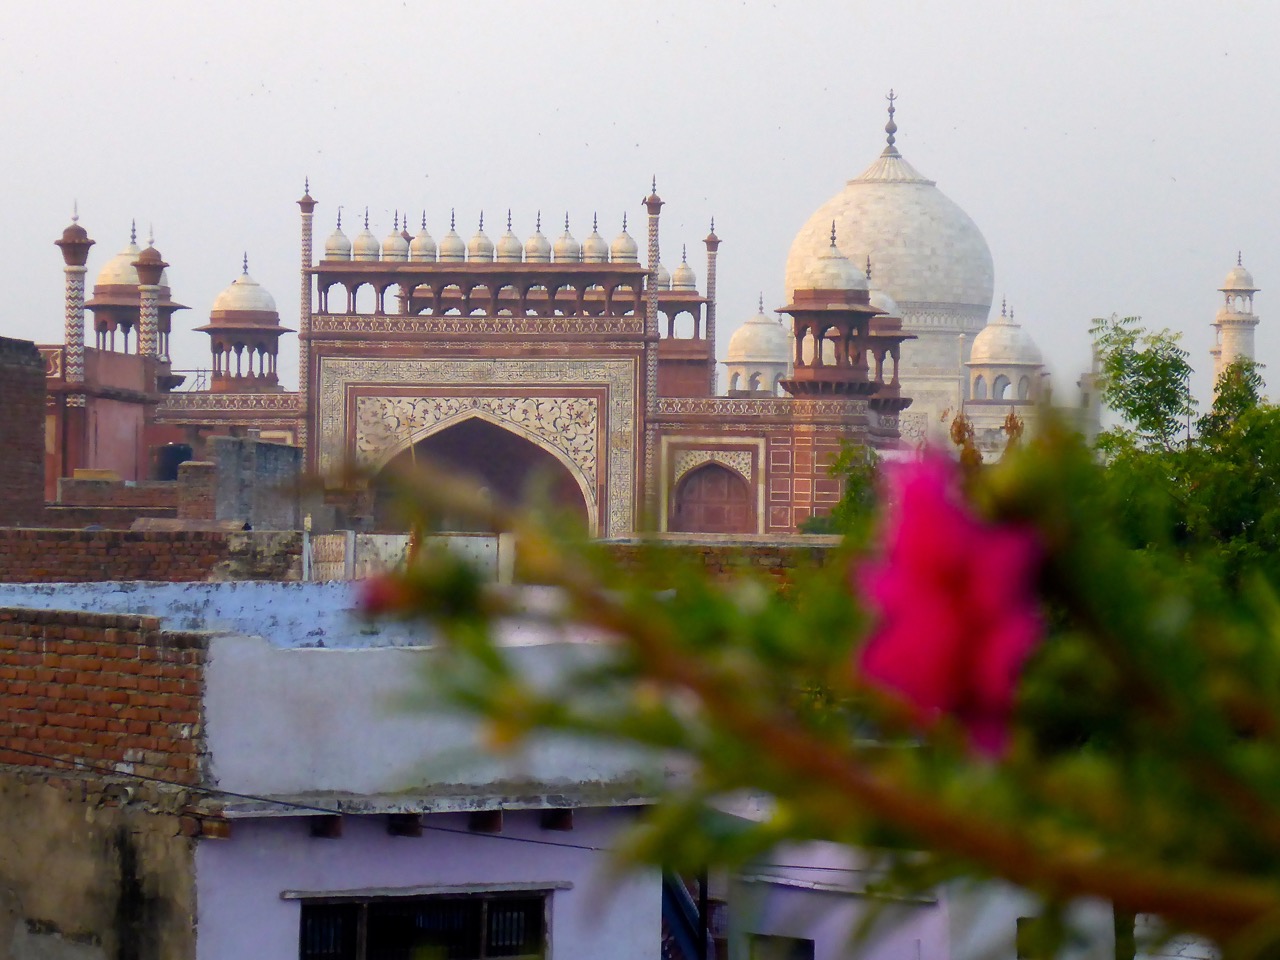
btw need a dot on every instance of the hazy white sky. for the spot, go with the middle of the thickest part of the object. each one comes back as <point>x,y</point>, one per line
<point>1115,155</point>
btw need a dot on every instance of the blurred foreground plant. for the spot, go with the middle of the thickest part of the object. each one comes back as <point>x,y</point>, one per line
<point>1008,688</point>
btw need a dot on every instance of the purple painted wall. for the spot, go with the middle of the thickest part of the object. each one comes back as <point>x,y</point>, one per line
<point>239,881</point>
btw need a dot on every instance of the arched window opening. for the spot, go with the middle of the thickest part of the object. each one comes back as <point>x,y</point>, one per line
<point>1024,388</point>
<point>979,387</point>
<point>1000,389</point>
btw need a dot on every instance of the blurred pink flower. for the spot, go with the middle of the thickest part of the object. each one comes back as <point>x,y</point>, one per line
<point>957,615</point>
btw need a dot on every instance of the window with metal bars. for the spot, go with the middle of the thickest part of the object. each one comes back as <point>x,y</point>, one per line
<point>472,927</point>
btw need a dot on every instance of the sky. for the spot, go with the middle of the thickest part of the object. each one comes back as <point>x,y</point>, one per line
<point>1115,155</point>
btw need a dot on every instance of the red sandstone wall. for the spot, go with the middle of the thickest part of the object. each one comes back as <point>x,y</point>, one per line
<point>109,493</point>
<point>115,691</point>
<point>22,415</point>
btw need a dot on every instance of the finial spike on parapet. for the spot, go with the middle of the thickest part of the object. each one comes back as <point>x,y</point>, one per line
<point>891,128</point>
<point>244,264</point>
<point>133,232</point>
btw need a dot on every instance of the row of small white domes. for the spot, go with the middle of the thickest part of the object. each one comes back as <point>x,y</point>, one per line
<point>422,248</point>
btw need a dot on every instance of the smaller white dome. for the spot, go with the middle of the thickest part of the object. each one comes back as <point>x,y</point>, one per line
<point>761,339</point>
<point>509,248</point>
<point>594,249</point>
<point>831,271</point>
<point>1239,278</point>
<point>537,249</point>
<point>480,247</point>
<point>422,248</point>
<point>1002,343</point>
<point>395,247</point>
<point>882,301</point>
<point>663,277</point>
<point>338,246</point>
<point>566,249</point>
<point>452,249</point>
<point>119,270</point>
<point>682,277</point>
<point>245,293</point>
<point>365,246</point>
<point>624,248</point>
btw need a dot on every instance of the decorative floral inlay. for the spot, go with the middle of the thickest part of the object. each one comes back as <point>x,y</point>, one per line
<point>736,460</point>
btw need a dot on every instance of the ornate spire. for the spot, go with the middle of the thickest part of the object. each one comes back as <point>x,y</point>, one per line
<point>1239,255</point>
<point>151,234</point>
<point>366,218</point>
<point>424,219</point>
<point>595,223</point>
<point>482,221</point>
<point>133,232</point>
<point>508,218</point>
<point>713,224</point>
<point>1011,313</point>
<point>868,268</point>
<point>684,253</point>
<point>1004,307</point>
<point>624,221</point>
<point>339,218</point>
<point>451,218</point>
<point>760,303</point>
<point>566,221</point>
<point>395,222</point>
<point>891,128</point>
<point>75,211</point>
<point>306,186</point>
<point>537,226</point>
<point>833,235</point>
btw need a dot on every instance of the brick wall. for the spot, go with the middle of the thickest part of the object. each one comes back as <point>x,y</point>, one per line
<point>110,518</point>
<point>729,556</point>
<point>114,691</point>
<point>116,493</point>
<point>22,395</point>
<point>74,556</point>
<point>197,490</point>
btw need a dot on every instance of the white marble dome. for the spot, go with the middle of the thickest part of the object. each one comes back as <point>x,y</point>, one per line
<point>245,293</point>
<point>395,246</point>
<point>1002,342</point>
<point>338,246</point>
<point>509,249</point>
<point>829,270</point>
<point>930,257</point>
<point>452,249</point>
<point>119,270</point>
<point>624,248</point>
<point>683,277</point>
<point>422,248</point>
<point>365,246</point>
<point>884,303</point>
<point>594,248</point>
<point>761,339</point>
<point>566,249</point>
<point>662,278</point>
<point>480,247</point>
<point>1239,279</point>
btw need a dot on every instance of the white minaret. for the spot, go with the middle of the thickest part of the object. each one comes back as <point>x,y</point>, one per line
<point>1235,320</point>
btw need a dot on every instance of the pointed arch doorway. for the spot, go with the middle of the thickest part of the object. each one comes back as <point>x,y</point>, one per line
<point>510,466</point>
<point>712,499</point>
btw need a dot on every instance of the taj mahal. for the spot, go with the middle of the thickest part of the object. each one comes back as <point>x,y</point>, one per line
<point>590,363</point>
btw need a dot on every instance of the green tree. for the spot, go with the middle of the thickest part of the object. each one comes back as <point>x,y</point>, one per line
<point>1145,379</point>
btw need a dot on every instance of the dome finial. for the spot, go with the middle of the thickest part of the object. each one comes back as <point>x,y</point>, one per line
<point>833,234</point>
<point>760,302</point>
<point>244,264</point>
<point>891,128</point>
<point>1011,313</point>
<point>133,232</point>
<point>537,226</point>
<point>482,221</point>
<point>566,221</point>
<point>395,222</point>
<point>624,221</point>
<point>306,185</point>
<point>366,218</point>
<point>868,268</point>
<point>339,217</point>
<point>151,234</point>
<point>595,222</point>
<point>653,187</point>
<point>1239,255</point>
<point>508,218</point>
<point>451,218</point>
<point>1003,307</point>
<point>75,211</point>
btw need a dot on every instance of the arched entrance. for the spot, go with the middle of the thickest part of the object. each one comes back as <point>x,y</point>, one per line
<point>507,465</point>
<point>712,499</point>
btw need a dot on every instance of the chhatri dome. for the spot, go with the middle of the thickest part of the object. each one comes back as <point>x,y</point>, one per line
<point>761,339</point>
<point>1004,342</point>
<point>244,295</point>
<point>927,251</point>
